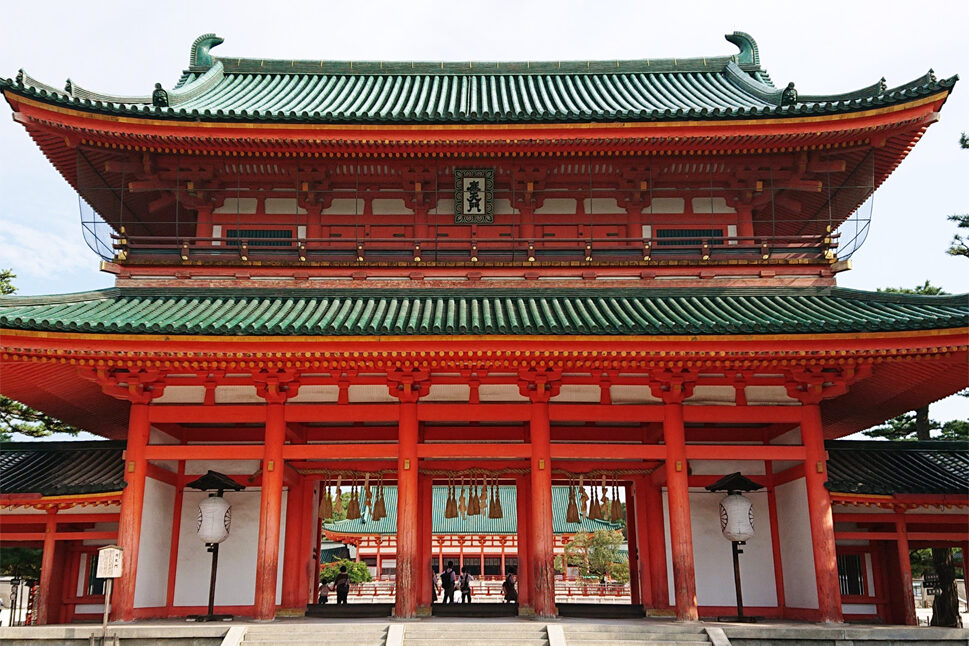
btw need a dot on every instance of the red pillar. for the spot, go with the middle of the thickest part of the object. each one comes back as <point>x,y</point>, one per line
<point>523,508</point>
<point>408,556</point>
<point>681,530</point>
<point>638,503</point>
<point>270,508</point>
<point>542,570</point>
<point>307,525</point>
<point>292,552</point>
<point>656,531</point>
<point>775,540</point>
<point>819,510</point>
<point>632,542</point>
<point>46,599</point>
<point>906,595</point>
<point>426,572</point>
<point>132,503</point>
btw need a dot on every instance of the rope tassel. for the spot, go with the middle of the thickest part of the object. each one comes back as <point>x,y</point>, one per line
<point>451,506</point>
<point>494,509</point>
<point>572,512</point>
<point>616,514</point>
<point>326,502</point>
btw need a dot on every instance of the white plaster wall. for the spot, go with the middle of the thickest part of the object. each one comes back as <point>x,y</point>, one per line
<point>711,205</point>
<point>390,207</point>
<point>236,581</point>
<point>859,609</point>
<point>556,206</point>
<point>154,547</point>
<point>282,206</point>
<point>712,560</point>
<point>344,206</point>
<point>797,552</point>
<point>723,467</point>
<point>666,205</point>
<point>602,205</point>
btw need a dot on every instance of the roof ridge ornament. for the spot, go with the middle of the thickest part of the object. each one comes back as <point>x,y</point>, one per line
<point>789,95</point>
<point>200,56</point>
<point>749,52</point>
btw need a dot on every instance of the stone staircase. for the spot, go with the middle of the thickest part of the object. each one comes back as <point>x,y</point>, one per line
<point>317,634</point>
<point>641,633</point>
<point>518,633</point>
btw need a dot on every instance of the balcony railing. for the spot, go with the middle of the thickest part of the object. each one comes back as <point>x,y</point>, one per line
<point>478,251</point>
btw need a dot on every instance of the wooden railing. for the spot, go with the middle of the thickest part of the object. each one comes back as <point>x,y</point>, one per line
<point>473,251</point>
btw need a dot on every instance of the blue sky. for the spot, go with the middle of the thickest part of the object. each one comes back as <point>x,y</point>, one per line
<point>824,47</point>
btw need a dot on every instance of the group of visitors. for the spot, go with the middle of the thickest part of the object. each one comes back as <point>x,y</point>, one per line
<point>451,579</point>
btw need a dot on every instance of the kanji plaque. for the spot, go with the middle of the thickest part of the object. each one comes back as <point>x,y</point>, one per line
<point>474,195</point>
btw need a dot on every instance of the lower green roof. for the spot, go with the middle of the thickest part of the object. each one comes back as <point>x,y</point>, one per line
<point>547,311</point>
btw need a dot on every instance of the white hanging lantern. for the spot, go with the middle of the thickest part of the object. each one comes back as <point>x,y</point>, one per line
<point>214,519</point>
<point>736,518</point>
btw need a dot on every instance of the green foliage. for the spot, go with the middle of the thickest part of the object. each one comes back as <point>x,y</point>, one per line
<point>925,289</point>
<point>6,282</point>
<point>358,571</point>
<point>23,562</point>
<point>596,555</point>
<point>960,243</point>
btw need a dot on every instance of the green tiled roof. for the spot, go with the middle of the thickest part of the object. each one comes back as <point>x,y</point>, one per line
<point>364,312</point>
<point>242,89</point>
<point>479,524</point>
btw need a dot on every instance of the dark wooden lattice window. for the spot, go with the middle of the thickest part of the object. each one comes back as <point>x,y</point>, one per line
<point>690,237</point>
<point>260,237</point>
<point>851,573</point>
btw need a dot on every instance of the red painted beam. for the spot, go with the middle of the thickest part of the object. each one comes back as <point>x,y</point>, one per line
<point>342,412</point>
<point>441,412</point>
<point>608,452</point>
<point>788,475</point>
<point>8,519</point>
<point>743,452</point>
<point>597,412</point>
<point>204,452</point>
<point>340,452</point>
<point>199,413</point>
<point>58,536</point>
<point>741,414</point>
<point>889,518</point>
<point>481,451</point>
<point>893,536</point>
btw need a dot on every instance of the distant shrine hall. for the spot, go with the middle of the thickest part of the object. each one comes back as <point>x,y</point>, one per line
<point>536,286</point>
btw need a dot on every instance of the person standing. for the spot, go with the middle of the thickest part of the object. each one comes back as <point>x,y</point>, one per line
<point>509,587</point>
<point>447,582</point>
<point>465,585</point>
<point>342,584</point>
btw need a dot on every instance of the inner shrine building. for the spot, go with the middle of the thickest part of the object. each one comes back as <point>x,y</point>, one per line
<point>516,274</point>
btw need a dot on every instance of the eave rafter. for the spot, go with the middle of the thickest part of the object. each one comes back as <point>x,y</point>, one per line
<point>368,141</point>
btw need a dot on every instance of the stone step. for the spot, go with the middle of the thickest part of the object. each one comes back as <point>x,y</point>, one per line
<point>321,641</point>
<point>638,642</point>
<point>466,640</point>
<point>632,629</point>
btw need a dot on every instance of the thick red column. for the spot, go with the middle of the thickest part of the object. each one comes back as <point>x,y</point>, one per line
<point>408,555</point>
<point>307,524</point>
<point>132,503</point>
<point>637,502</point>
<point>906,594</point>
<point>270,508</point>
<point>523,509</point>
<point>45,597</point>
<point>292,552</point>
<point>542,569</point>
<point>632,541</point>
<point>681,530</point>
<point>656,532</point>
<point>819,511</point>
<point>425,572</point>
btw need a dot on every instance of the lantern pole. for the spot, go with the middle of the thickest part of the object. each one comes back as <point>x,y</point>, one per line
<point>218,482</point>
<point>736,577</point>
<point>737,533</point>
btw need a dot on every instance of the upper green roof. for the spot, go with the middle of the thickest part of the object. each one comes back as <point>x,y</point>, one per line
<point>246,89</point>
<point>479,524</point>
<point>632,311</point>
